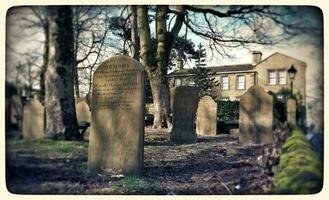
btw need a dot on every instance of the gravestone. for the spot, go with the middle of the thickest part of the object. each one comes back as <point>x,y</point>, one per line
<point>116,142</point>
<point>185,103</point>
<point>33,120</point>
<point>256,116</point>
<point>83,112</point>
<point>291,111</point>
<point>83,117</point>
<point>206,120</point>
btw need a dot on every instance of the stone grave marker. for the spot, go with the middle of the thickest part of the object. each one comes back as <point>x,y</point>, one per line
<point>83,116</point>
<point>185,103</point>
<point>206,118</point>
<point>116,142</point>
<point>33,120</point>
<point>256,116</point>
<point>291,111</point>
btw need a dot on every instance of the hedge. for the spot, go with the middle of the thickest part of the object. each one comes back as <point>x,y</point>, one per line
<point>300,171</point>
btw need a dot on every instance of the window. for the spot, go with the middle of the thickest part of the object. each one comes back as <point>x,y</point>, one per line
<point>191,83</point>
<point>282,77</point>
<point>178,82</point>
<point>225,83</point>
<point>271,77</point>
<point>241,82</point>
<point>224,98</point>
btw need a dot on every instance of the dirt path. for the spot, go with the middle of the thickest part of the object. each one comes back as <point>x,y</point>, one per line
<point>214,165</point>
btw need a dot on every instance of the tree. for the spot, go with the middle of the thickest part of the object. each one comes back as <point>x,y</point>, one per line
<point>61,121</point>
<point>201,76</point>
<point>225,27</point>
<point>156,66</point>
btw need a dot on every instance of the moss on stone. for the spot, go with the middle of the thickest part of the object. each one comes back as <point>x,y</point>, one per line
<point>299,171</point>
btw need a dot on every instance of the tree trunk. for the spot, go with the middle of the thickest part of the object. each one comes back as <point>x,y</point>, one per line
<point>158,74</point>
<point>162,51</point>
<point>134,33</point>
<point>153,73</point>
<point>44,62</point>
<point>61,121</point>
<point>75,62</point>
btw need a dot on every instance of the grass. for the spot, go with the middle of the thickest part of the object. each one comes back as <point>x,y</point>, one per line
<point>47,146</point>
<point>132,185</point>
<point>299,171</point>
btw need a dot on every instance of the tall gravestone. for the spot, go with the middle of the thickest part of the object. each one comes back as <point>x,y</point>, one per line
<point>256,116</point>
<point>185,103</point>
<point>116,140</point>
<point>33,120</point>
<point>83,116</point>
<point>291,111</point>
<point>206,120</point>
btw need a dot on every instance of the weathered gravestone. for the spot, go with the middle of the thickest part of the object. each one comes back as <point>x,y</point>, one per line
<point>206,118</point>
<point>33,120</point>
<point>83,117</point>
<point>291,111</point>
<point>185,103</point>
<point>256,116</point>
<point>116,140</point>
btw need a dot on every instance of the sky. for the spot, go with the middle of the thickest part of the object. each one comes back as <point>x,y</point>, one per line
<point>303,47</point>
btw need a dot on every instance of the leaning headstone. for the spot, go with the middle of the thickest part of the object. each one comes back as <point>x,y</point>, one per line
<point>116,142</point>
<point>206,120</point>
<point>291,111</point>
<point>185,103</point>
<point>256,116</point>
<point>83,117</point>
<point>33,120</point>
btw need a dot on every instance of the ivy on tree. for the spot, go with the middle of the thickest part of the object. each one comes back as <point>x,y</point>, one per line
<point>202,76</point>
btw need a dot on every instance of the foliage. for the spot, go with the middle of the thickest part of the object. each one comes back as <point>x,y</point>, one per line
<point>228,110</point>
<point>279,110</point>
<point>201,76</point>
<point>299,171</point>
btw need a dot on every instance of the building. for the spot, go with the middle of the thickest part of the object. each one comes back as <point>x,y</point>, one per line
<point>270,73</point>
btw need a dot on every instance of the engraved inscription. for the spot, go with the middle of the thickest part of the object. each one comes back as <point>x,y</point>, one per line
<point>115,86</point>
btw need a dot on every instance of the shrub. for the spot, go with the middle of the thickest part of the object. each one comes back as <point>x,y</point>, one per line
<point>228,110</point>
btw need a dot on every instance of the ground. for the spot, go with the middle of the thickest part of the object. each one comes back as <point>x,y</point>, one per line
<point>213,165</point>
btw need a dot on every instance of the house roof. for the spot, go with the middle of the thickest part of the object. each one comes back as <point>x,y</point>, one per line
<point>218,69</point>
<point>278,53</point>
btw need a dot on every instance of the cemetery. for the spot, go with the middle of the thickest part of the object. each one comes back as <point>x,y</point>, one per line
<point>132,134</point>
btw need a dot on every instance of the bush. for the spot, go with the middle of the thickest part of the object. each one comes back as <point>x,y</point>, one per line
<point>299,171</point>
<point>228,110</point>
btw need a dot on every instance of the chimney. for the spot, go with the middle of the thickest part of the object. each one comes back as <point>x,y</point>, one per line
<point>256,57</point>
<point>179,63</point>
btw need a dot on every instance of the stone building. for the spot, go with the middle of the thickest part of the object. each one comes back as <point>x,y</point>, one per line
<point>269,73</point>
